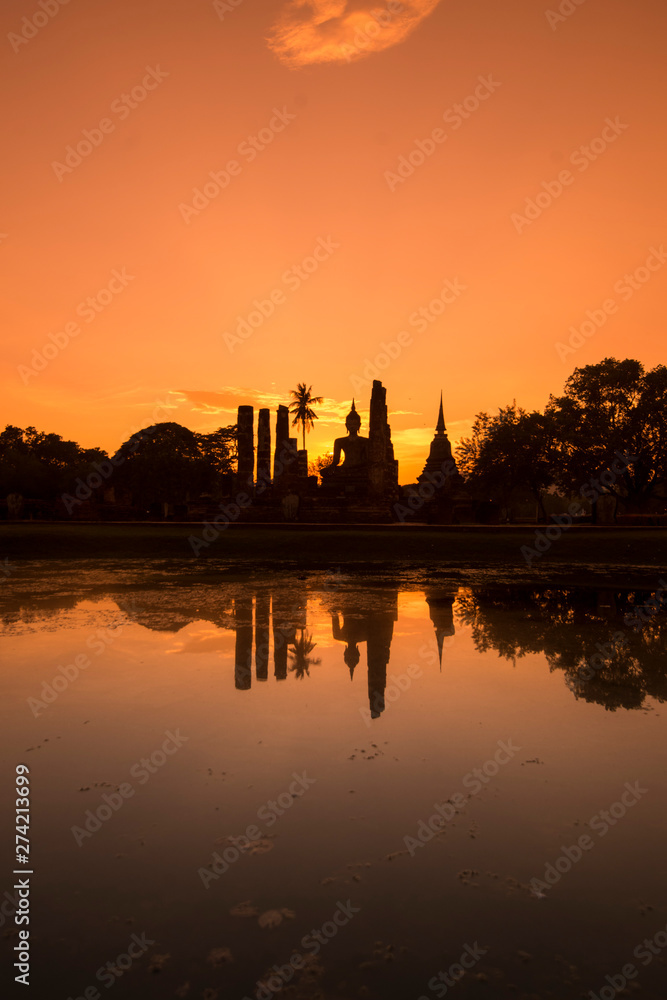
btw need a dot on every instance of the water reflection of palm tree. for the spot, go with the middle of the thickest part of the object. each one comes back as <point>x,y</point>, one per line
<point>299,654</point>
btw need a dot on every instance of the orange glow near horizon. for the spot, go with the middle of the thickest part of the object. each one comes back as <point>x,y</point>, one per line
<point>270,193</point>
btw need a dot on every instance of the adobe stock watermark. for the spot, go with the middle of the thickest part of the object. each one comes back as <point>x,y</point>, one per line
<point>475,780</point>
<point>231,512</point>
<point>121,107</point>
<point>426,491</point>
<point>591,491</point>
<point>292,279</point>
<point>142,770</point>
<point>565,10</point>
<point>313,942</point>
<point>109,973</point>
<point>644,613</point>
<point>601,823</point>
<point>268,814</point>
<point>103,471</point>
<point>88,309</point>
<point>31,26</point>
<point>366,34</point>
<point>222,7</point>
<point>581,158</point>
<point>398,684</point>
<point>98,642</point>
<point>605,654</point>
<point>625,288</point>
<point>249,149</point>
<point>646,951</point>
<point>468,959</point>
<point>454,117</point>
<point>420,319</point>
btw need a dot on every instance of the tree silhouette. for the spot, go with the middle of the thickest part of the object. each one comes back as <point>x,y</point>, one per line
<point>513,450</point>
<point>300,407</point>
<point>611,408</point>
<point>42,466</point>
<point>321,462</point>
<point>170,463</point>
<point>299,653</point>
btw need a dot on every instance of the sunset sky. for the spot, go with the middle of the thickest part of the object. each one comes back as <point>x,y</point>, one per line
<point>306,111</point>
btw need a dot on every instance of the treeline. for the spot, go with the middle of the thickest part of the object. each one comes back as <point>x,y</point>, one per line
<point>607,434</point>
<point>161,463</point>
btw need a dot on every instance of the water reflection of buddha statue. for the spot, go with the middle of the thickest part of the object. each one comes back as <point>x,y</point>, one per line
<point>351,632</point>
<point>354,448</point>
<point>372,623</point>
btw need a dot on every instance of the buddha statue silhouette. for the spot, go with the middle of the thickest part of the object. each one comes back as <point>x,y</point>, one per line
<point>354,448</point>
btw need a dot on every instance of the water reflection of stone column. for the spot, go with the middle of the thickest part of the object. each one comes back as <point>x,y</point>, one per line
<point>441,611</point>
<point>262,605</point>
<point>283,634</point>
<point>243,628</point>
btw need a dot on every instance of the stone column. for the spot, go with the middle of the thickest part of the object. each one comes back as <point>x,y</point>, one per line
<point>246,451</point>
<point>384,467</point>
<point>282,443</point>
<point>264,447</point>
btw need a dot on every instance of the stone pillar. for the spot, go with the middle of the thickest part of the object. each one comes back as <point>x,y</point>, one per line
<point>246,451</point>
<point>383,465</point>
<point>302,464</point>
<point>264,447</point>
<point>282,444</point>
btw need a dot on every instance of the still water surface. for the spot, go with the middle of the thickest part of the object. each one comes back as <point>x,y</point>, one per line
<point>249,770</point>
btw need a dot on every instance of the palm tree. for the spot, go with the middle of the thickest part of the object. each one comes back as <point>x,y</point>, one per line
<point>300,407</point>
<point>299,654</point>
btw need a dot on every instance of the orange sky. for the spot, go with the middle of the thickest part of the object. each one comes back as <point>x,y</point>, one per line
<point>338,98</point>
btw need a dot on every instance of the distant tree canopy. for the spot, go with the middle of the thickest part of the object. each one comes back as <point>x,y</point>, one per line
<point>42,466</point>
<point>610,409</point>
<point>168,462</point>
<point>513,450</point>
<point>614,407</point>
<point>320,462</point>
<point>164,462</point>
<point>611,418</point>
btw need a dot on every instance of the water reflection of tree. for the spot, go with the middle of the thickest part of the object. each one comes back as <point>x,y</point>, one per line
<point>299,655</point>
<point>569,627</point>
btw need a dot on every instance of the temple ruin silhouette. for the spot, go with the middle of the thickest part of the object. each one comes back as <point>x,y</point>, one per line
<point>360,485</point>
